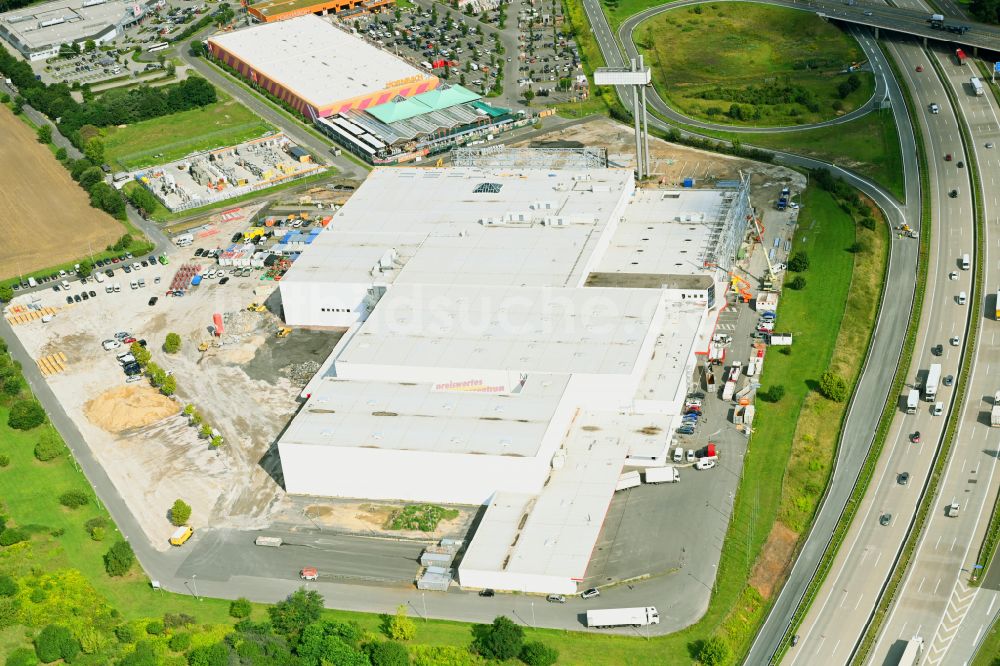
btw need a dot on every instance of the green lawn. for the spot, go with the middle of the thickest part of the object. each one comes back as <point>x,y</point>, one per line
<point>767,66</point>
<point>171,137</point>
<point>619,10</point>
<point>868,146</point>
<point>989,651</point>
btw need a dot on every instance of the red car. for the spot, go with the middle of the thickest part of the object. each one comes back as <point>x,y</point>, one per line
<point>128,341</point>
<point>915,437</point>
<point>920,68</point>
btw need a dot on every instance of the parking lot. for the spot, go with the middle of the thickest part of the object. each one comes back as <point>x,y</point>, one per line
<point>245,384</point>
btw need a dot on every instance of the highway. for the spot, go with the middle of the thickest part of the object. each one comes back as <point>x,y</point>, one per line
<point>935,599</point>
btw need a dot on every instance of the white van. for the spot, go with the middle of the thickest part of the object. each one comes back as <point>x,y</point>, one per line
<point>938,409</point>
<point>32,282</point>
<point>961,298</point>
<point>965,262</point>
<point>678,455</point>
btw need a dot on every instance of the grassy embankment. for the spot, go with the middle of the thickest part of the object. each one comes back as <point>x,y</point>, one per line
<point>768,66</point>
<point>171,137</point>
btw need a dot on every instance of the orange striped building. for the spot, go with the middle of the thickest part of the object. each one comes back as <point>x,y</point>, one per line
<point>279,10</point>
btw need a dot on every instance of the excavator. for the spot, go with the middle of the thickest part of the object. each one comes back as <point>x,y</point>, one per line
<point>256,307</point>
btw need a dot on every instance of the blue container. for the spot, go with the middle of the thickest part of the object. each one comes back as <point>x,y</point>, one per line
<point>689,182</point>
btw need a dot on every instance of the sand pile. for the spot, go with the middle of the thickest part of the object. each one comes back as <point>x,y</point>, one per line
<point>129,407</point>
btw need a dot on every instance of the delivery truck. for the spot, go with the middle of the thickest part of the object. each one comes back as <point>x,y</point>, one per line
<point>912,400</point>
<point>933,379</point>
<point>622,617</point>
<point>995,412</point>
<point>662,475</point>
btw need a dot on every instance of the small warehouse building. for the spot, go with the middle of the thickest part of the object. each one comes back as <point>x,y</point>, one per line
<point>316,67</point>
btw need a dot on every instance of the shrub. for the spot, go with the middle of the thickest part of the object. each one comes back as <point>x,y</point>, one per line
<point>56,642</point>
<point>180,642</point>
<point>775,393</point>
<point>501,640</point>
<point>98,534</point>
<point>6,293</point>
<point>4,461</point>
<point>124,633</point>
<point>26,414</point>
<point>22,656</point>
<point>833,387</point>
<point>49,446</point>
<point>713,651</point>
<point>154,628</point>
<point>8,586</point>
<point>61,154</point>
<point>172,344</point>
<point>9,611</point>
<point>58,532</point>
<point>12,386</point>
<point>401,627</point>
<point>119,559</point>
<point>296,611</point>
<point>44,133</point>
<point>797,283</point>
<point>12,535</point>
<point>858,247</point>
<point>240,608</point>
<point>799,262</point>
<point>97,521</point>
<point>387,653</point>
<point>168,386</point>
<point>73,499</point>
<point>171,620</point>
<point>868,222</point>
<point>180,513</point>
<point>537,653</point>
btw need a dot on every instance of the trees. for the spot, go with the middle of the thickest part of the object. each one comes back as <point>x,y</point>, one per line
<point>713,651</point>
<point>774,394</point>
<point>797,283</point>
<point>833,387</point>
<point>180,512</point>
<point>6,293</point>
<point>73,499</point>
<point>93,150</point>
<point>299,609</point>
<point>401,627</point>
<point>240,608</point>
<point>501,640</point>
<point>44,133</point>
<point>119,558</point>
<point>86,268</point>
<point>106,198</point>
<point>56,642</point>
<point>172,344</point>
<point>143,199</point>
<point>91,177</point>
<point>168,386</point>
<point>26,414</point>
<point>141,354</point>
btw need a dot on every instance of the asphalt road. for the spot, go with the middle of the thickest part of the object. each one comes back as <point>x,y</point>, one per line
<point>935,600</point>
<point>839,615</point>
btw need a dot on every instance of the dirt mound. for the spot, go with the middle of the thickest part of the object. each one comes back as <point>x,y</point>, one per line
<point>775,560</point>
<point>128,407</point>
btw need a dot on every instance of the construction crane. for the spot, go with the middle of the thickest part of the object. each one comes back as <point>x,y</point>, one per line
<point>772,277</point>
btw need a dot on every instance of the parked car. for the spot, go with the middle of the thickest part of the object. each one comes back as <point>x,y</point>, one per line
<point>690,455</point>
<point>704,463</point>
<point>556,598</point>
<point>685,430</point>
<point>153,300</point>
<point>309,573</point>
<point>488,592</point>
<point>110,344</point>
<point>590,593</point>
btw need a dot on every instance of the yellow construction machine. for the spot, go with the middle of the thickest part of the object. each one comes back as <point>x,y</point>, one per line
<point>283,331</point>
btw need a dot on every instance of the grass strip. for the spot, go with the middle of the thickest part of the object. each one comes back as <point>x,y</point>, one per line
<point>962,387</point>
<point>896,388</point>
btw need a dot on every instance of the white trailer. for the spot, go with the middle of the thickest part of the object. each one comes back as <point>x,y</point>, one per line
<point>995,412</point>
<point>662,475</point>
<point>623,617</point>
<point>274,542</point>
<point>911,655</point>
<point>933,379</point>
<point>628,480</point>
<point>912,400</point>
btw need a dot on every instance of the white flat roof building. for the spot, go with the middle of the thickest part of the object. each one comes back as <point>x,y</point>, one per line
<point>307,60</point>
<point>37,31</point>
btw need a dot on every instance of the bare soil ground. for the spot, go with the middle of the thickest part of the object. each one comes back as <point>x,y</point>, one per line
<point>774,560</point>
<point>370,519</point>
<point>246,386</point>
<point>47,219</point>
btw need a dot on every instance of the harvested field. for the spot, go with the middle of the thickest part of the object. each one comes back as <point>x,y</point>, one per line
<point>47,218</point>
<point>128,407</point>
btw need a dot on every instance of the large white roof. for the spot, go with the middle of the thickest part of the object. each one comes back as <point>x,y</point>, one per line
<point>429,418</point>
<point>316,60</point>
<point>524,329</point>
<point>79,22</point>
<point>443,207</point>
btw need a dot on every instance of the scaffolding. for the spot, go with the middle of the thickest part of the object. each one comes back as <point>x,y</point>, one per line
<point>501,156</point>
<point>730,227</point>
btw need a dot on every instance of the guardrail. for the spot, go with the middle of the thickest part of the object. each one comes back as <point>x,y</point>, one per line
<point>891,588</point>
<point>898,382</point>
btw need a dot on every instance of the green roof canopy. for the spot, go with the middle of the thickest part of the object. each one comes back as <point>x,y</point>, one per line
<point>432,100</point>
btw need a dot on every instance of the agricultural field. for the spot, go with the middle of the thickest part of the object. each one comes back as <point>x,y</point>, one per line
<point>47,219</point>
<point>768,66</point>
<point>160,140</point>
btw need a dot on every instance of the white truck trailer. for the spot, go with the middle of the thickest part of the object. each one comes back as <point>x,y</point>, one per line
<point>911,654</point>
<point>622,617</point>
<point>995,412</point>
<point>662,475</point>
<point>271,541</point>
<point>628,480</point>
<point>933,379</point>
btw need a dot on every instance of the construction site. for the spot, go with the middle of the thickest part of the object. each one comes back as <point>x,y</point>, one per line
<point>216,175</point>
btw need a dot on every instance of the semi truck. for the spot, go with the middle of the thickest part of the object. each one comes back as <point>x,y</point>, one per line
<point>997,306</point>
<point>933,379</point>
<point>912,400</point>
<point>995,412</point>
<point>628,480</point>
<point>977,86</point>
<point>622,617</point>
<point>911,654</point>
<point>662,475</point>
